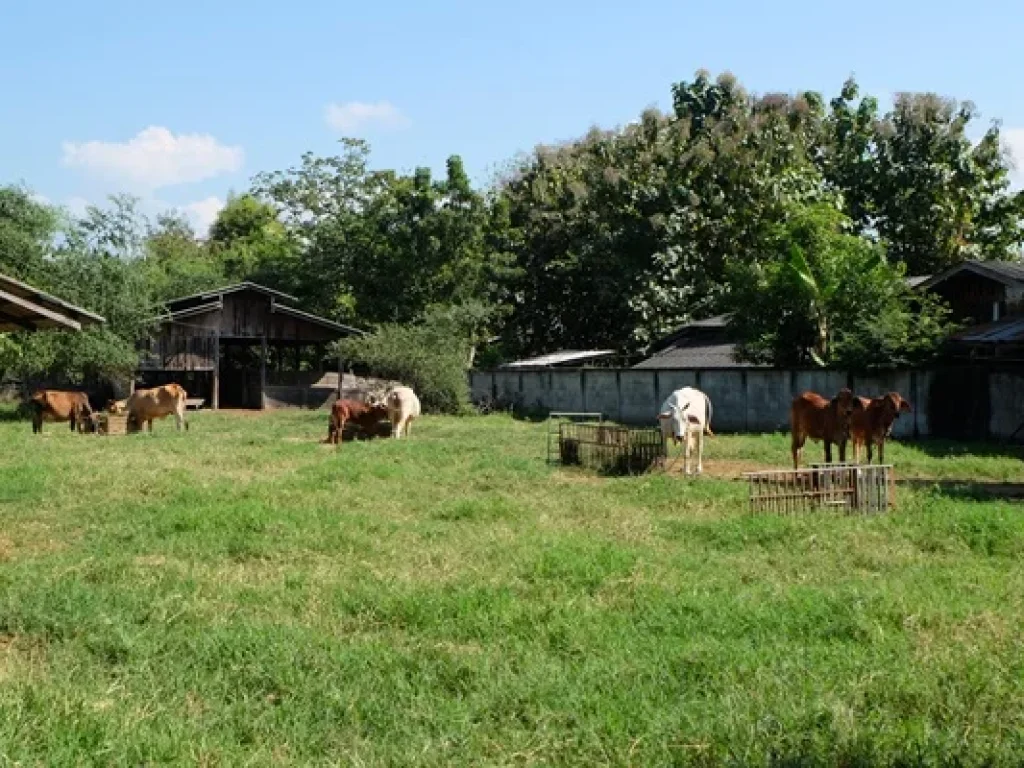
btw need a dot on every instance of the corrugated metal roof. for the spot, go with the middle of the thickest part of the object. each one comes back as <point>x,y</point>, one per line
<point>915,280</point>
<point>1008,331</point>
<point>721,355</point>
<point>558,358</point>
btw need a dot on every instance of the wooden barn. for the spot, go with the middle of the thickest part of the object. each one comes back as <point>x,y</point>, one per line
<point>244,346</point>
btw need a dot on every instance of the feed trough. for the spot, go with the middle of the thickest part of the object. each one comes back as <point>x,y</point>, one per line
<point>610,449</point>
<point>866,488</point>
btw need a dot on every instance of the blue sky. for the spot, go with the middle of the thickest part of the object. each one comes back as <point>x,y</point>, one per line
<point>181,103</point>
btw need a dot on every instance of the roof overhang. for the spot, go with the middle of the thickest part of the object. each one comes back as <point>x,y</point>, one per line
<point>24,308</point>
<point>974,267</point>
<point>315,319</point>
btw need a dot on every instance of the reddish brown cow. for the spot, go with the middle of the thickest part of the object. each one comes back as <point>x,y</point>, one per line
<point>872,424</point>
<point>811,415</point>
<point>55,405</point>
<point>366,416</point>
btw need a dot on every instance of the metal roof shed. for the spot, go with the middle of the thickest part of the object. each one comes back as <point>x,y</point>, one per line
<point>24,308</point>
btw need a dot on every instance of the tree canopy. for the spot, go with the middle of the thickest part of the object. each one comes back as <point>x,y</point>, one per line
<point>798,214</point>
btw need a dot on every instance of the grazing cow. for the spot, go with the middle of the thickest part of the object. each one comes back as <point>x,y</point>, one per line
<point>366,416</point>
<point>686,416</point>
<point>144,405</point>
<point>872,425</point>
<point>55,405</point>
<point>811,415</point>
<point>403,406</point>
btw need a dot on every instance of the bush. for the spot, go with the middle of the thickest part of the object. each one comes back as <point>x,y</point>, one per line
<point>424,357</point>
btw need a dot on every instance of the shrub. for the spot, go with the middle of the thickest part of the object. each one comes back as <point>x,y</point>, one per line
<point>425,357</point>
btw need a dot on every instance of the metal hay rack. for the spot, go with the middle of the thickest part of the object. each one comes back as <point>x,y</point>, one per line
<point>866,488</point>
<point>610,449</point>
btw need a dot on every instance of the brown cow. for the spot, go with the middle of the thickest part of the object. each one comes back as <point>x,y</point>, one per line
<point>144,405</point>
<point>55,405</point>
<point>873,423</point>
<point>366,416</point>
<point>811,415</point>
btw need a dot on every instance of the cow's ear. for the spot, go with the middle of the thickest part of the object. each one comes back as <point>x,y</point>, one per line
<point>905,406</point>
<point>857,404</point>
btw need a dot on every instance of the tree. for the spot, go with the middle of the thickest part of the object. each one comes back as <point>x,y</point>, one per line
<point>941,199</point>
<point>27,229</point>
<point>251,243</point>
<point>822,295</point>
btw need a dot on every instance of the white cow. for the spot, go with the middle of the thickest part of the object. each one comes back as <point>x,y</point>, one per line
<point>686,416</point>
<point>403,407</point>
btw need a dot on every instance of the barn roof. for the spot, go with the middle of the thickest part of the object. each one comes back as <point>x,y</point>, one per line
<point>24,308</point>
<point>245,285</point>
<point>213,301</point>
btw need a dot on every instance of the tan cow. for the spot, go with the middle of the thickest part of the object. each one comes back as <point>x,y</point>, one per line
<point>403,407</point>
<point>57,405</point>
<point>144,405</point>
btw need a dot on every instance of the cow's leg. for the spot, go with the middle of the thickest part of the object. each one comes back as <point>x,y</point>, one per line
<point>828,452</point>
<point>179,416</point>
<point>881,451</point>
<point>796,446</point>
<point>700,450</point>
<point>37,422</point>
<point>842,452</point>
<point>408,426</point>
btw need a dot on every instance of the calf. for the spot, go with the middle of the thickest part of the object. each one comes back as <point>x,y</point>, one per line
<point>403,406</point>
<point>872,424</point>
<point>366,416</point>
<point>811,415</point>
<point>144,405</point>
<point>56,405</point>
<point>686,415</point>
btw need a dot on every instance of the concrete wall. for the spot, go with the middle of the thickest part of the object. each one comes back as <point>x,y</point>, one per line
<point>743,400</point>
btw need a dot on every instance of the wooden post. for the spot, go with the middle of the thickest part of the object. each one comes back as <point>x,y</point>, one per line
<point>263,372</point>
<point>341,375</point>
<point>215,399</point>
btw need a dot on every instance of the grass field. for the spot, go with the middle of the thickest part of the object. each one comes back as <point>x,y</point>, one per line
<point>242,594</point>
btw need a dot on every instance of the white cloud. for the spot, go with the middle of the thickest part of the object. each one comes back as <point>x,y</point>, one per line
<point>202,213</point>
<point>354,115</point>
<point>155,158</point>
<point>1014,140</point>
<point>76,206</point>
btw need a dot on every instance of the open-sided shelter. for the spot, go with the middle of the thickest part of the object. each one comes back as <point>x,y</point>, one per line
<point>244,346</point>
<point>24,308</point>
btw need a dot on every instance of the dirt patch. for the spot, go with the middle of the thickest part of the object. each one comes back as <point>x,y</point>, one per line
<point>726,469</point>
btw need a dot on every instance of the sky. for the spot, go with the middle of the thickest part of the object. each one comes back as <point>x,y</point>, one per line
<point>181,103</point>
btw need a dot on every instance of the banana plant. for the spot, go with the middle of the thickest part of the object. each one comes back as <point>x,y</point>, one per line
<point>820,294</point>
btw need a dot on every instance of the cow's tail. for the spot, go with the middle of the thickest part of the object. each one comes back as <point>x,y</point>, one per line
<point>710,413</point>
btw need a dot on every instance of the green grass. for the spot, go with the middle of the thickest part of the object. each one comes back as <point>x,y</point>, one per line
<point>242,594</point>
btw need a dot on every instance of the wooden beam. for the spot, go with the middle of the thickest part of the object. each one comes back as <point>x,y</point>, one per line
<point>263,373</point>
<point>21,322</point>
<point>215,399</point>
<point>34,308</point>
